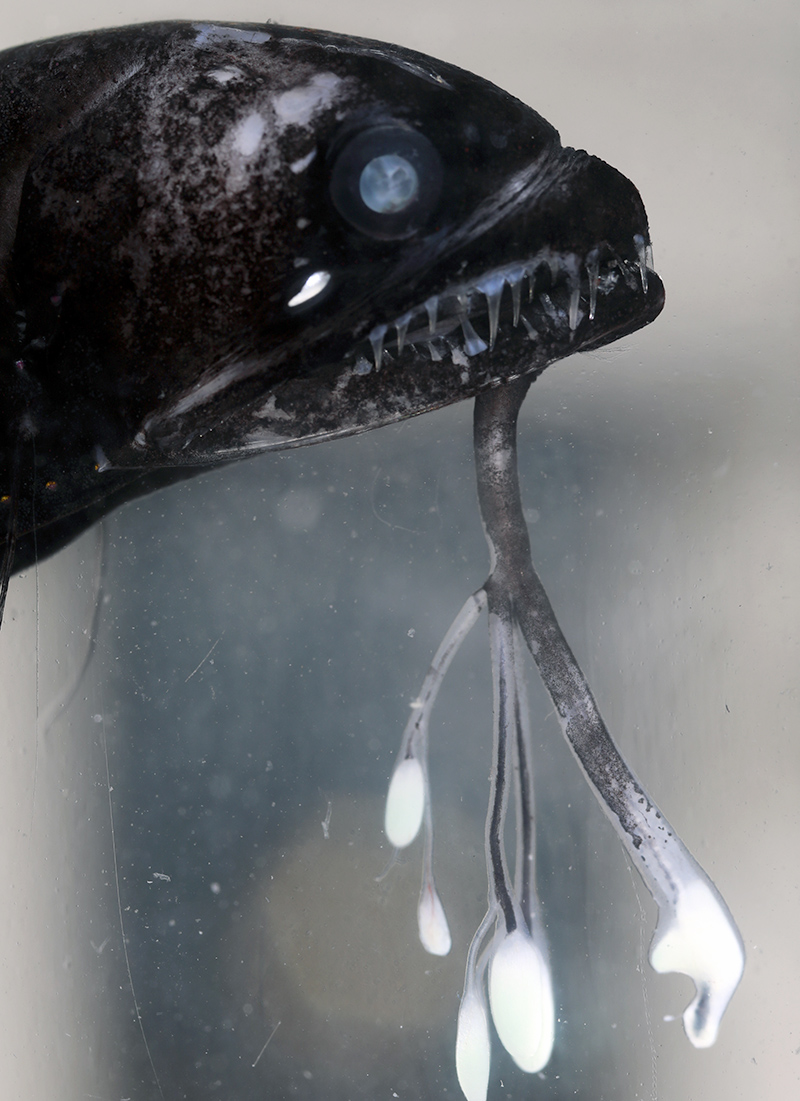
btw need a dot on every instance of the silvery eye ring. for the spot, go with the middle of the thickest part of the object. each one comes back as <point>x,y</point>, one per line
<point>386,181</point>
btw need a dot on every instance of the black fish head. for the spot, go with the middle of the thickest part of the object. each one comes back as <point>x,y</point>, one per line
<point>231,239</point>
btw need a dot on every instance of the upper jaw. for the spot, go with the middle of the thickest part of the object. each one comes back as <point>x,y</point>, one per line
<point>551,295</point>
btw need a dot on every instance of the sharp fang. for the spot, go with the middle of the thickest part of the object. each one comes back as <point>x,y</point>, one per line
<point>549,308</point>
<point>492,287</point>
<point>574,303</point>
<point>593,271</point>
<point>436,355</point>
<point>648,257</point>
<point>473,345</point>
<point>432,307</point>
<point>641,254</point>
<point>516,298</point>
<point>514,279</point>
<point>401,325</point>
<point>376,340</point>
<point>532,334</point>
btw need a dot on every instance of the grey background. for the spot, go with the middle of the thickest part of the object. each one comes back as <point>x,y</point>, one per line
<point>661,480</point>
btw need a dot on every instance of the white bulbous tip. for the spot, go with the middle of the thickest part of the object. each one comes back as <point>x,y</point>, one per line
<point>434,932</point>
<point>699,939</point>
<point>521,997</point>
<point>473,1047</point>
<point>405,803</point>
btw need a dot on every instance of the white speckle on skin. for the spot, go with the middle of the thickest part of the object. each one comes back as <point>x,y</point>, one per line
<point>302,164</point>
<point>299,106</point>
<point>303,223</point>
<point>248,134</point>
<point>269,412</point>
<point>224,76</point>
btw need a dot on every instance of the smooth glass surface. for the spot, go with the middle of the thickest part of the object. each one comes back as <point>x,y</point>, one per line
<point>262,631</point>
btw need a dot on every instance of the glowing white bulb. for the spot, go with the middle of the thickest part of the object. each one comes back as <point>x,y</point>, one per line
<point>405,803</point>
<point>434,932</point>
<point>521,997</point>
<point>314,285</point>
<point>698,939</point>
<point>473,1047</point>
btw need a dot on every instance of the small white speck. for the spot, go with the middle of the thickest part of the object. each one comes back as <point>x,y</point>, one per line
<point>223,76</point>
<point>248,135</point>
<point>300,165</point>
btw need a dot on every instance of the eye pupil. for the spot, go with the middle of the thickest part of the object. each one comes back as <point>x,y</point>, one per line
<point>388,184</point>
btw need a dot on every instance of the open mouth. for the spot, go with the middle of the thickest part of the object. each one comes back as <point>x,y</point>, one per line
<point>550,295</point>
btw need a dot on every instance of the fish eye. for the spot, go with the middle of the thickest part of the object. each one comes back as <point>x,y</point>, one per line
<point>386,181</point>
<point>388,184</point>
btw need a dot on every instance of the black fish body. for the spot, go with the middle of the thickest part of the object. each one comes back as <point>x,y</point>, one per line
<point>218,240</point>
<point>190,273</point>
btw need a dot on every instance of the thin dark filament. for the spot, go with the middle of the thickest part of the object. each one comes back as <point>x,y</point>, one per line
<point>500,622</point>
<point>524,797</point>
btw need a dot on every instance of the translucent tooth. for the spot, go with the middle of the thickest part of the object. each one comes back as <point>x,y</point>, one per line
<point>641,254</point>
<point>516,290</point>
<point>574,305</point>
<point>593,271</point>
<point>532,334</point>
<point>514,279</point>
<point>473,345</point>
<point>432,307</point>
<point>492,287</point>
<point>648,257</point>
<point>376,340</point>
<point>531,284</point>
<point>548,306</point>
<point>401,325</point>
<point>436,355</point>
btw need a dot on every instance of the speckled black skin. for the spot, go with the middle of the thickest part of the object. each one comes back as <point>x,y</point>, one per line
<point>148,255</point>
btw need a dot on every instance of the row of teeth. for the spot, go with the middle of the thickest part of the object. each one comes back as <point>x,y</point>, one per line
<point>491,285</point>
